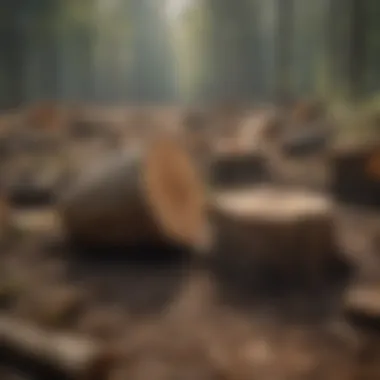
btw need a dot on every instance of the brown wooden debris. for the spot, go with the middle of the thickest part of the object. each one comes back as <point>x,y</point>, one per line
<point>42,353</point>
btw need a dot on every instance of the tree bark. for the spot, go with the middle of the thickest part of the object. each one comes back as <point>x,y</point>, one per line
<point>151,195</point>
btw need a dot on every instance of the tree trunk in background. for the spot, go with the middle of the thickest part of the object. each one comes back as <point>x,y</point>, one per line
<point>152,78</point>
<point>49,63</point>
<point>373,47</point>
<point>283,46</point>
<point>232,64</point>
<point>334,47</point>
<point>12,63</point>
<point>357,48</point>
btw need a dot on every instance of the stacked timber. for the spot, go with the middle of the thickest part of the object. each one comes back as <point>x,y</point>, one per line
<point>152,194</point>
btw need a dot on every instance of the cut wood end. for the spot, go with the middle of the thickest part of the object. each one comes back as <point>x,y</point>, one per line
<point>175,192</point>
<point>271,203</point>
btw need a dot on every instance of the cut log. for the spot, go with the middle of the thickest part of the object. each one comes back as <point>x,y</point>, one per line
<point>150,195</point>
<point>41,354</point>
<point>288,232</point>
<point>355,175</point>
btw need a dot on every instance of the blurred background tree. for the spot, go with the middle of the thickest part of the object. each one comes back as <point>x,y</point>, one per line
<point>117,51</point>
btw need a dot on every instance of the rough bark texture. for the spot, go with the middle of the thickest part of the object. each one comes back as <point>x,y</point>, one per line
<point>130,199</point>
<point>289,233</point>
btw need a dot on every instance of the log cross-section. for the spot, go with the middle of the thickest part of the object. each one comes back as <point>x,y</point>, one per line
<point>149,195</point>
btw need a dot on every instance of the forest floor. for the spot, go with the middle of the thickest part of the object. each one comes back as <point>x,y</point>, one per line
<point>168,316</point>
<point>177,319</point>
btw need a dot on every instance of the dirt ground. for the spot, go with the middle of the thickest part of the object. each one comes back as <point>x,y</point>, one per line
<point>169,316</point>
<point>173,318</point>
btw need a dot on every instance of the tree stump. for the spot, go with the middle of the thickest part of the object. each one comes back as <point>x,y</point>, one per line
<point>289,233</point>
